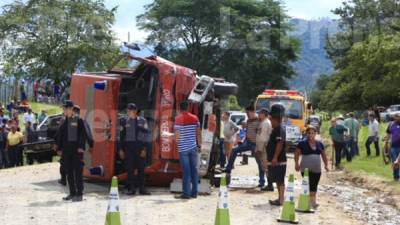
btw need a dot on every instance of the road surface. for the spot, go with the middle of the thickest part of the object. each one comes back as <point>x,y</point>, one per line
<point>31,195</point>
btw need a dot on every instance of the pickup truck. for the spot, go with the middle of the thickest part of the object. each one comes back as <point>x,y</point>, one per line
<point>42,150</point>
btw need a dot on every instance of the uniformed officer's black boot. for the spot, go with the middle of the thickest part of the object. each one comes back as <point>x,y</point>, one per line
<point>77,198</point>
<point>143,191</point>
<point>62,182</point>
<point>131,192</point>
<point>245,160</point>
<point>68,198</point>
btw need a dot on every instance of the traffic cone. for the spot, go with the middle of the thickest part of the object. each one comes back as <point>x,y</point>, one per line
<point>222,216</point>
<point>304,205</point>
<point>288,214</point>
<point>113,216</point>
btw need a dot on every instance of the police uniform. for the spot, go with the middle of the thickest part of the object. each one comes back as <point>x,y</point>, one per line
<point>132,142</point>
<point>63,173</point>
<point>70,138</point>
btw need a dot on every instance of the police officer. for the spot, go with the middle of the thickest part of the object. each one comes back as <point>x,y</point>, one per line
<point>88,131</point>
<point>63,173</point>
<point>133,149</point>
<point>71,141</point>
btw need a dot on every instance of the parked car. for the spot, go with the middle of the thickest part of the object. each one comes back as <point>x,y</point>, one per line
<point>238,117</point>
<point>388,115</point>
<point>315,121</point>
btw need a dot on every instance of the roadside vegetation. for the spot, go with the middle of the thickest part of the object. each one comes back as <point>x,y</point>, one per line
<point>365,54</point>
<point>370,165</point>
<point>50,109</point>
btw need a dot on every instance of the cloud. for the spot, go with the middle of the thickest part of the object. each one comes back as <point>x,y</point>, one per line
<point>312,9</point>
<point>125,18</point>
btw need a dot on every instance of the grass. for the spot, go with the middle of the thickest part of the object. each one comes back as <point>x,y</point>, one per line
<point>37,108</point>
<point>51,109</point>
<point>370,165</point>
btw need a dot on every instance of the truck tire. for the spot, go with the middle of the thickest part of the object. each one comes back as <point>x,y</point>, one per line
<point>225,89</point>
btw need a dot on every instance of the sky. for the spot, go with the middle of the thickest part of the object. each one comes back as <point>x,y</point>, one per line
<point>129,9</point>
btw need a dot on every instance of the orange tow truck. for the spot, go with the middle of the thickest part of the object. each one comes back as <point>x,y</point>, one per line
<point>297,111</point>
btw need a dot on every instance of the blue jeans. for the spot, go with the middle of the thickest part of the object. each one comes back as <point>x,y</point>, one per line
<point>371,140</point>
<point>222,159</point>
<point>394,153</point>
<point>246,146</point>
<point>190,174</point>
<point>352,146</point>
<point>357,148</point>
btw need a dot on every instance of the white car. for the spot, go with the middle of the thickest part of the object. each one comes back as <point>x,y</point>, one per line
<point>390,112</point>
<point>238,117</point>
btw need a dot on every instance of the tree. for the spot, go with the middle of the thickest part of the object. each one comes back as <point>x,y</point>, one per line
<point>371,77</point>
<point>54,38</point>
<point>359,19</point>
<point>244,41</point>
<point>365,56</point>
<point>316,94</point>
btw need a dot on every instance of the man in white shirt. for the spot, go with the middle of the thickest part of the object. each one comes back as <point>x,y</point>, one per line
<point>262,138</point>
<point>29,117</point>
<point>373,135</point>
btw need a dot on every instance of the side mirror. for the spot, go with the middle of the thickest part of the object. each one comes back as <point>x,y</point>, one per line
<point>309,106</point>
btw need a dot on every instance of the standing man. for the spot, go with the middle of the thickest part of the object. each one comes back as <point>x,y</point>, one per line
<point>337,133</point>
<point>29,116</point>
<point>353,126</point>
<point>249,144</point>
<point>29,137</point>
<point>14,140</point>
<point>263,134</point>
<point>71,142</point>
<point>276,153</point>
<point>133,149</point>
<point>88,131</point>
<point>373,135</point>
<point>63,172</point>
<point>393,135</point>
<point>42,116</point>
<point>36,87</point>
<point>3,143</point>
<point>188,139</point>
<point>2,117</point>
<point>230,130</point>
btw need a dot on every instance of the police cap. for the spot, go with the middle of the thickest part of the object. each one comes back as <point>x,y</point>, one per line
<point>132,106</point>
<point>68,104</point>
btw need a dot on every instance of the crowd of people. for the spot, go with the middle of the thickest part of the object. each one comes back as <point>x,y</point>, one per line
<point>344,134</point>
<point>12,136</point>
<point>265,137</point>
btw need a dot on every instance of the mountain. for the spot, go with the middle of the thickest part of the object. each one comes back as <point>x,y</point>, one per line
<point>313,60</point>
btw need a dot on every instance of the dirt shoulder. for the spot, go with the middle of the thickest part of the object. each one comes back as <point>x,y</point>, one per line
<point>31,195</point>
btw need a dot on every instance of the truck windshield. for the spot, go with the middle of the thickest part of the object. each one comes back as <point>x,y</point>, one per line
<point>294,108</point>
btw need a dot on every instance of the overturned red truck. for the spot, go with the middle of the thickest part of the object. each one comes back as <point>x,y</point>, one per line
<point>157,86</point>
